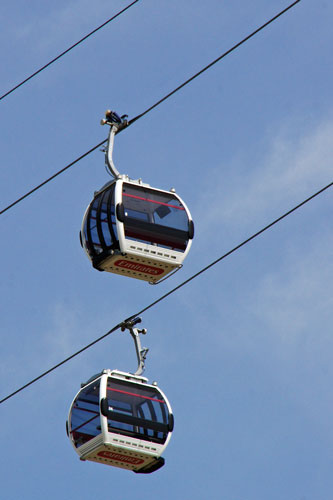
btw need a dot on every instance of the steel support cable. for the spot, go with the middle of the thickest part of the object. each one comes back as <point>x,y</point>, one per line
<point>52,177</point>
<point>215,61</point>
<point>240,245</point>
<point>154,105</point>
<point>232,250</point>
<point>60,364</point>
<point>67,50</point>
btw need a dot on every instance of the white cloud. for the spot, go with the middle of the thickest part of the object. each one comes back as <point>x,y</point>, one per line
<point>64,21</point>
<point>297,300</point>
<point>292,169</point>
<point>65,329</point>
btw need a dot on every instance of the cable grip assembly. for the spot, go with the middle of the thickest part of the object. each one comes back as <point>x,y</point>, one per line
<point>141,352</point>
<point>116,123</point>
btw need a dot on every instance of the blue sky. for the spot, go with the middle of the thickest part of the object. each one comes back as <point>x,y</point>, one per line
<point>244,352</point>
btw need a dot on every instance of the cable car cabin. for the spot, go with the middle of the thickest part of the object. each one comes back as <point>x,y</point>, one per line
<point>132,229</point>
<point>119,419</point>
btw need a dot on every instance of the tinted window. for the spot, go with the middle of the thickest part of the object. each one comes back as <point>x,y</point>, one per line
<point>84,418</point>
<point>154,217</point>
<point>136,410</point>
<point>100,230</point>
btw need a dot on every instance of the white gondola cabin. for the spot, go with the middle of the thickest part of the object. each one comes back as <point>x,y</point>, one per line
<point>132,229</point>
<point>119,419</point>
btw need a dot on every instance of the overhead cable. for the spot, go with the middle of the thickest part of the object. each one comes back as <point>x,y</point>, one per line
<point>237,247</point>
<point>60,364</point>
<point>153,106</point>
<point>215,61</point>
<point>52,177</point>
<point>66,51</point>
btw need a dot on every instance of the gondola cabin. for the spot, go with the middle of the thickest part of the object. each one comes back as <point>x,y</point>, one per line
<point>119,419</point>
<point>132,229</point>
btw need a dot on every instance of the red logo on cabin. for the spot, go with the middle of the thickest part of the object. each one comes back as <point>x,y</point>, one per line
<point>140,268</point>
<point>120,458</point>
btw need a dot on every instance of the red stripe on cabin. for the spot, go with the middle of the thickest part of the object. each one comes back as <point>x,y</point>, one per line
<point>137,395</point>
<point>153,201</point>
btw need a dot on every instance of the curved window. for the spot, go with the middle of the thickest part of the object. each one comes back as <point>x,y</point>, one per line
<point>100,229</point>
<point>95,242</point>
<point>155,217</point>
<point>137,410</point>
<point>85,415</point>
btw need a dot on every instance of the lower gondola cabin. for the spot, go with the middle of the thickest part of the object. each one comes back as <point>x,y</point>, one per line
<point>119,419</point>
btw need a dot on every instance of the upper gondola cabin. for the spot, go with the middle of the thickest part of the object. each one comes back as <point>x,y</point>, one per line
<point>135,230</point>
